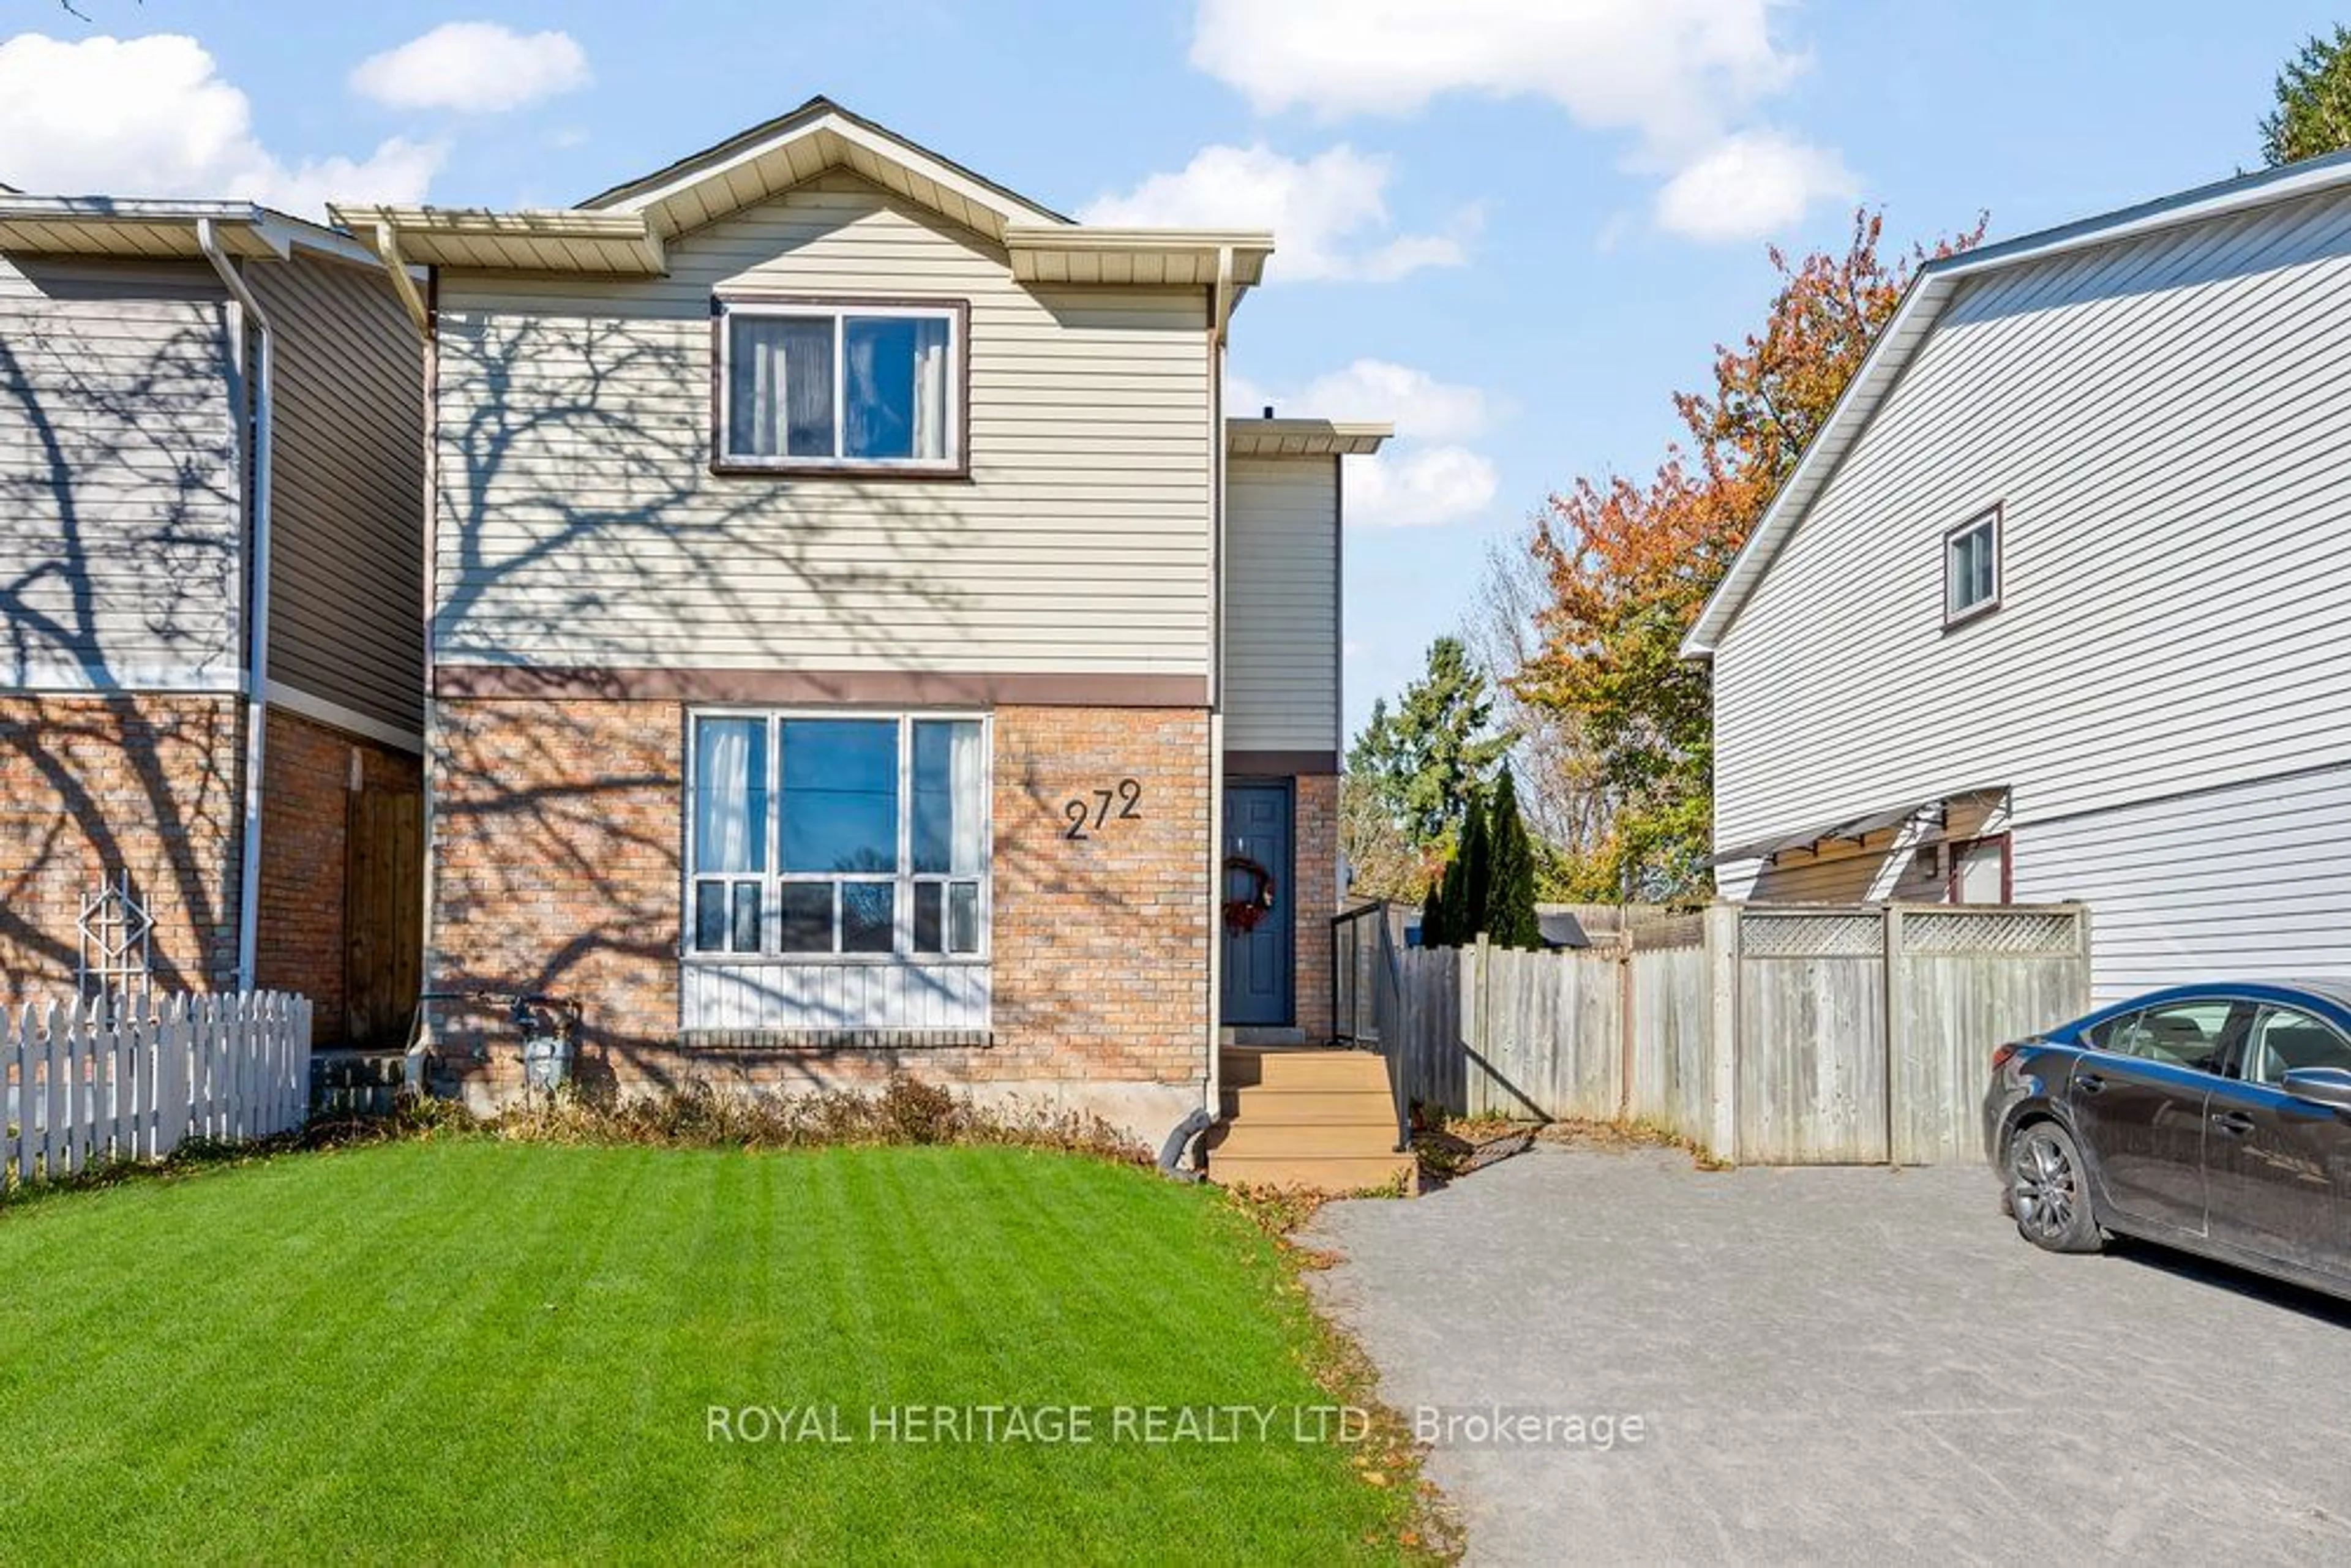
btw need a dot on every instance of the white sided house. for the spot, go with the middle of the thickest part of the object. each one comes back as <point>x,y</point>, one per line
<point>2053,607</point>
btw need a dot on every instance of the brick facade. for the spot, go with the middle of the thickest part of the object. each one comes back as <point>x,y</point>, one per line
<point>557,834</point>
<point>153,784</point>
<point>91,786</point>
<point>307,779</point>
<point>555,837</point>
<point>1315,851</point>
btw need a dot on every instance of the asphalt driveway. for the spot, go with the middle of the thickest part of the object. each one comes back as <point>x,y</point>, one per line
<point>1835,1364</point>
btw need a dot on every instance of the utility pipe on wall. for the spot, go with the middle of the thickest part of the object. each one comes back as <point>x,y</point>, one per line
<point>256,672</point>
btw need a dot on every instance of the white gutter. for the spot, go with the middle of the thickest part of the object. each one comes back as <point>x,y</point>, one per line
<point>248,889</point>
<point>387,246</point>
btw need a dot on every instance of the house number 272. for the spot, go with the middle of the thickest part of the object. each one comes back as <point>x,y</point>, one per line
<point>1082,816</point>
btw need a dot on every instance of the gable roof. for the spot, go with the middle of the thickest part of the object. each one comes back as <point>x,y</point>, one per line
<point>753,165</point>
<point>623,232</point>
<point>1914,321</point>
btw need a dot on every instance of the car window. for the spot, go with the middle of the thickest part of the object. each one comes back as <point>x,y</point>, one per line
<point>2284,1039</point>
<point>2183,1034</point>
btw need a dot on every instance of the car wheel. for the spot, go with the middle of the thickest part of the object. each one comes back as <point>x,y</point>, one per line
<point>2047,1191</point>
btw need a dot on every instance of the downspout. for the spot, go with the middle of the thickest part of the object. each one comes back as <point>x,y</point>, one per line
<point>1220,315</point>
<point>421,1037</point>
<point>256,672</point>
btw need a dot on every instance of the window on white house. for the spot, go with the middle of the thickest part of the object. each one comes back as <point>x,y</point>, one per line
<point>838,837</point>
<point>854,386</point>
<point>1971,568</point>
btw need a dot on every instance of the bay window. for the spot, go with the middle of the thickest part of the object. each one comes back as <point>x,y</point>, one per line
<point>847,386</point>
<point>837,837</point>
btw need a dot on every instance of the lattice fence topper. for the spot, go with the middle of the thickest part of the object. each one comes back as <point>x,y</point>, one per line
<point>1827,935</point>
<point>2013,931</point>
<point>114,928</point>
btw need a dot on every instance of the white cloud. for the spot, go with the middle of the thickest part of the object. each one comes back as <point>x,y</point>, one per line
<point>1329,212</point>
<point>1667,68</point>
<point>1421,406</point>
<point>474,67</point>
<point>1418,487</point>
<point>1683,77</point>
<point>152,117</point>
<point>1752,182</point>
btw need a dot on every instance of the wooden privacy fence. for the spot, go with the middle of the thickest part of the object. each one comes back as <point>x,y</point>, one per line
<point>127,1077</point>
<point>1768,1034</point>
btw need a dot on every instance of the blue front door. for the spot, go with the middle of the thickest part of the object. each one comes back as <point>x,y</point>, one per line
<point>1260,957</point>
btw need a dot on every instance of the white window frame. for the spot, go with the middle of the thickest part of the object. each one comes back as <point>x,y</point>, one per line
<point>774,878</point>
<point>1988,523</point>
<point>956,313</point>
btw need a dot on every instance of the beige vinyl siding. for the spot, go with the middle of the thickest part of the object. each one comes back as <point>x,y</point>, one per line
<point>347,550</point>
<point>578,523</point>
<point>121,491</point>
<point>1281,604</point>
<point>2166,424</point>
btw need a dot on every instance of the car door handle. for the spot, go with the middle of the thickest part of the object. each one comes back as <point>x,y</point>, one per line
<point>2235,1122</point>
<point>2090,1082</point>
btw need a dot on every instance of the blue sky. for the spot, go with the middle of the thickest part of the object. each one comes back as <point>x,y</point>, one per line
<point>1520,224</point>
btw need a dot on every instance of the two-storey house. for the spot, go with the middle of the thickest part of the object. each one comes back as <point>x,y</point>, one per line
<point>861,640</point>
<point>2048,609</point>
<point>212,423</point>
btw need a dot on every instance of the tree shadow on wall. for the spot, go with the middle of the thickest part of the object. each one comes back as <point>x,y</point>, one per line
<point>120,495</point>
<point>581,530</point>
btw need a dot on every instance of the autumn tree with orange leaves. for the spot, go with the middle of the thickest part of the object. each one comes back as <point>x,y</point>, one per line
<point>1628,565</point>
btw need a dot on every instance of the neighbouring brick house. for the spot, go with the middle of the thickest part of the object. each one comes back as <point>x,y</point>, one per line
<point>212,465</point>
<point>859,640</point>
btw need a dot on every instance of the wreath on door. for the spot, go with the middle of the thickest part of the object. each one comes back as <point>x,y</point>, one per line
<point>1243,914</point>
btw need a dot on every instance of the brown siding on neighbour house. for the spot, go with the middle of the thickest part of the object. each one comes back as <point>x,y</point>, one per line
<point>347,548</point>
<point>94,787</point>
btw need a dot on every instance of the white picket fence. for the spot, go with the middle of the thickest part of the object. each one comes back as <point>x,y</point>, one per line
<point>88,1082</point>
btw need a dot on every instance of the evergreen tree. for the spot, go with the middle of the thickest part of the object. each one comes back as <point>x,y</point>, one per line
<point>1410,774</point>
<point>1435,919</point>
<point>2313,102</point>
<point>1461,897</point>
<point>1509,904</point>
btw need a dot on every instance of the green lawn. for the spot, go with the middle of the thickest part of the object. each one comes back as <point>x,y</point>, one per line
<point>462,1349</point>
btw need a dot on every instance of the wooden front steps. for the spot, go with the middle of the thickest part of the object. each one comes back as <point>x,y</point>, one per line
<point>1319,1119</point>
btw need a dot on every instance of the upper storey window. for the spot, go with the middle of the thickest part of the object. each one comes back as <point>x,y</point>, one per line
<point>847,388</point>
<point>1971,569</point>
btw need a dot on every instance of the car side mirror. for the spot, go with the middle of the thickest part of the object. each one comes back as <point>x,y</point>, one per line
<point>2319,1086</point>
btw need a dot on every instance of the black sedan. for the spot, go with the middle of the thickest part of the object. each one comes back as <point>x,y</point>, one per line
<point>2214,1118</point>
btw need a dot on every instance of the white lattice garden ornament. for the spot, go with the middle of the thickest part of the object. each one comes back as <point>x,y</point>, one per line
<point>114,927</point>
